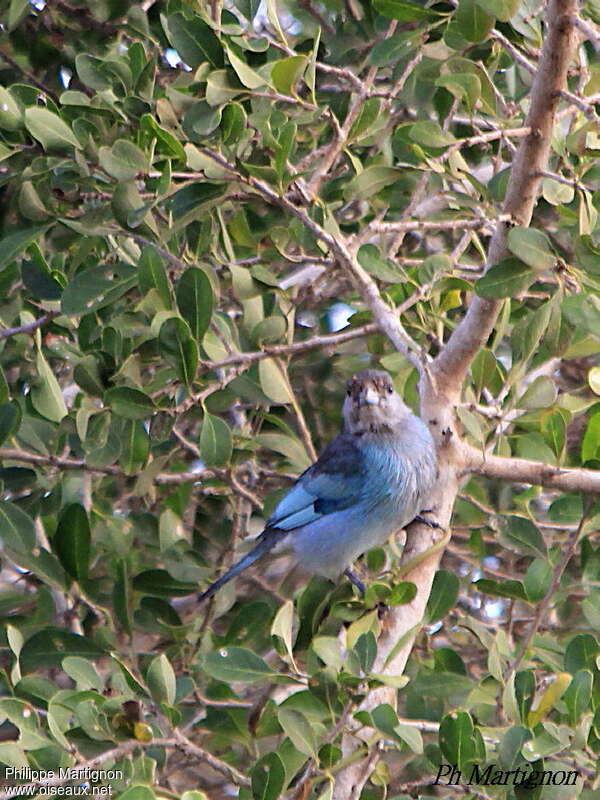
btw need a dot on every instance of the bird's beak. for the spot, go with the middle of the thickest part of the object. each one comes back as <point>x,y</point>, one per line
<point>370,397</point>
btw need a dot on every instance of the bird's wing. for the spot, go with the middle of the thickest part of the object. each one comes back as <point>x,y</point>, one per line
<point>332,483</point>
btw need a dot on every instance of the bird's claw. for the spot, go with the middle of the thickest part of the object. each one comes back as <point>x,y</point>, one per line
<point>429,522</point>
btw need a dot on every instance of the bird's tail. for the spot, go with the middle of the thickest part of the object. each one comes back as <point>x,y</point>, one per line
<point>265,544</point>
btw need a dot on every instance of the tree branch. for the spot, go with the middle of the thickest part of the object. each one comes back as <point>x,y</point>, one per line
<point>546,601</point>
<point>124,749</point>
<point>423,550</point>
<point>536,473</point>
<point>29,327</point>
<point>452,364</point>
<point>436,225</point>
<point>589,31</point>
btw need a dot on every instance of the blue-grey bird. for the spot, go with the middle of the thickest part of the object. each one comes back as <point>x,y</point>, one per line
<point>370,481</point>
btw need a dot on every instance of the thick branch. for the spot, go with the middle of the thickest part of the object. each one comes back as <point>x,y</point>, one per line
<point>536,473</point>
<point>453,362</point>
<point>435,224</point>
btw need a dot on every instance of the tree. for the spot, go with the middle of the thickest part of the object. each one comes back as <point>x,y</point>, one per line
<point>190,190</point>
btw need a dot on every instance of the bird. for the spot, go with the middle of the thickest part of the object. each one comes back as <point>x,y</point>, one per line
<point>370,481</point>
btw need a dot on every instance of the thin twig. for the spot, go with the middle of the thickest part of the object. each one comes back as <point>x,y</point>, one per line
<point>544,604</point>
<point>29,327</point>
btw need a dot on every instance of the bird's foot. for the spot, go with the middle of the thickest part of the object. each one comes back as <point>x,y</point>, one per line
<point>382,610</point>
<point>429,522</point>
<point>356,581</point>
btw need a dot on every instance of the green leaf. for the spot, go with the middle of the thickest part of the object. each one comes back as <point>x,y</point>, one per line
<point>11,117</point>
<point>554,192</point>
<point>554,429</point>
<point>386,720</point>
<point>368,115</point>
<point>233,122</point>
<point>444,594</point>
<point>12,246</point>
<point>537,579</point>
<point>47,648</point>
<point>513,589</point>
<point>138,793</point>
<point>31,204</point>
<point>16,528</point>
<point>194,198</point>
<point>547,702</point>
<point>404,11</point>
<point>270,329</point>
<point>590,444</point>
<point>463,85</point>
<point>389,52</point>
<point>429,134</point>
<point>286,73</point>
<point>129,403</point>
<point>159,583</point>
<point>524,692</point>
<point>532,247</point>
<point>39,280</point>
<point>193,39</point>
<point>195,301</point>
<point>122,599</point>
<point>10,420</point>
<point>370,259</point>
<point>161,680</point>
<point>249,77</point>
<point>591,609</point>
<point>177,347</point>
<point>274,381</point>
<point>97,287</point>
<point>298,729</point>
<point>520,535</point>
<point>371,181</point>
<point>457,739</point>
<point>123,160</point>
<point>284,626</point>
<point>287,446</point>
<point>230,664</point>
<point>594,379</point>
<point>505,279</point>
<point>402,593</point>
<point>215,441</point>
<point>503,10</point>
<point>578,696</point>
<point>166,143</point>
<point>49,129</point>
<point>509,751</point>
<point>472,21</point>
<point>366,651</point>
<point>46,394</point>
<point>135,447</point>
<point>72,541</point>
<point>83,672</point>
<point>268,777</point>
<point>541,393</point>
<point>153,275</point>
<point>581,653</point>
<point>44,565</point>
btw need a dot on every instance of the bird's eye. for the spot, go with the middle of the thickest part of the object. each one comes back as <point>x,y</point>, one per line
<point>348,392</point>
<point>390,390</point>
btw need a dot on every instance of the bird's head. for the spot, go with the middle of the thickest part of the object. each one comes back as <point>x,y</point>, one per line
<point>371,403</point>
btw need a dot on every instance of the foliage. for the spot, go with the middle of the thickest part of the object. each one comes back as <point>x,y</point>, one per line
<point>170,361</point>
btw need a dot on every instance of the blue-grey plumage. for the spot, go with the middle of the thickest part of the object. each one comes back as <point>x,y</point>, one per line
<point>369,482</point>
